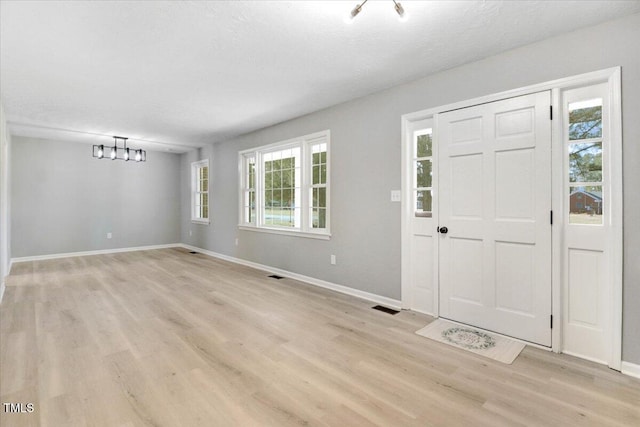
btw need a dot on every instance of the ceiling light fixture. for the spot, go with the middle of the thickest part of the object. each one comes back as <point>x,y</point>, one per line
<point>397,6</point>
<point>400,11</point>
<point>120,153</point>
<point>356,10</point>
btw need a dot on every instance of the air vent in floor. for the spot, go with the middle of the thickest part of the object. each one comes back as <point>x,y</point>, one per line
<point>275,276</point>
<point>385,309</point>
<point>193,252</point>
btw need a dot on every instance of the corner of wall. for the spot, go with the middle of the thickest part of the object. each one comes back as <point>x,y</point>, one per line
<point>5,211</point>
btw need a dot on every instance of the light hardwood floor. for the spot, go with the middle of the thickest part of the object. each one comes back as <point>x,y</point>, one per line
<point>167,338</point>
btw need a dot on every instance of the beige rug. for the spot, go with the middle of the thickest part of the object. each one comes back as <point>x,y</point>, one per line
<point>493,346</point>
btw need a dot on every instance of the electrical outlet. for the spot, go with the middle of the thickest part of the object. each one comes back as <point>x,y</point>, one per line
<point>190,233</point>
<point>396,196</point>
<point>333,260</point>
<point>108,235</point>
<point>237,240</point>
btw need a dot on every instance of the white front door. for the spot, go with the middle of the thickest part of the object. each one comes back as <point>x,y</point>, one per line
<point>494,216</point>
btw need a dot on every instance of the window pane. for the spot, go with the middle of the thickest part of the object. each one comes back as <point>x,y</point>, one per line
<point>319,218</point>
<point>585,205</point>
<point>423,201</point>
<point>279,216</point>
<point>424,146</point>
<point>204,185</point>
<point>268,197</point>
<point>287,178</point>
<point>319,197</point>
<point>316,175</point>
<point>423,173</point>
<point>205,205</point>
<point>252,173</point>
<point>322,197</point>
<point>585,119</point>
<point>323,174</point>
<point>322,219</point>
<point>249,206</point>
<point>280,188</point>
<point>252,206</point>
<point>585,162</point>
<point>287,197</point>
<point>268,180</point>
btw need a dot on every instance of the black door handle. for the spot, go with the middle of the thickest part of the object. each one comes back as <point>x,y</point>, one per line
<point>443,230</point>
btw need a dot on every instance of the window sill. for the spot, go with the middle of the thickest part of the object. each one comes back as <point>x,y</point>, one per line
<point>319,236</point>
<point>200,221</point>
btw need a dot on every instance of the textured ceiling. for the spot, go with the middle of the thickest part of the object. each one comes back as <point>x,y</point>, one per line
<point>195,72</point>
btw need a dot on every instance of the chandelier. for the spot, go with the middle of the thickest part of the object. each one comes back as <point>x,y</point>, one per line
<point>119,153</point>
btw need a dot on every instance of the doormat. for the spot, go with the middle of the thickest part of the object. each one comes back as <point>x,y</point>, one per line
<point>493,346</point>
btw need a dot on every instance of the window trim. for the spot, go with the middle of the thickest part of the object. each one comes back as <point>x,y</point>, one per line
<point>194,167</point>
<point>305,143</point>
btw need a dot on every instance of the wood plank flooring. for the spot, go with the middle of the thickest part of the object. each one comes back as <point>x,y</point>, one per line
<point>167,338</point>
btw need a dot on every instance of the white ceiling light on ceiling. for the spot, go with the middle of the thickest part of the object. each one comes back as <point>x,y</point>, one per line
<point>396,5</point>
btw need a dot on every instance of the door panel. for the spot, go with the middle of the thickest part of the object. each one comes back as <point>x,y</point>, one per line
<point>588,294</point>
<point>495,199</point>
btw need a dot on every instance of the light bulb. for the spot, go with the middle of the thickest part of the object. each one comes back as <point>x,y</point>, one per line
<point>402,16</point>
<point>138,155</point>
<point>100,151</point>
<point>354,12</point>
<point>126,154</point>
<point>114,153</point>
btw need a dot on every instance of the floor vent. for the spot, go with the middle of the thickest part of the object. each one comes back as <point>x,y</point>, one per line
<point>275,276</point>
<point>385,309</point>
<point>193,252</point>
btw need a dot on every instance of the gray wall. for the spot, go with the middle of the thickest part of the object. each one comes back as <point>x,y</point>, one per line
<point>64,200</point>
<point>365,144</point>
<point>5,152</point>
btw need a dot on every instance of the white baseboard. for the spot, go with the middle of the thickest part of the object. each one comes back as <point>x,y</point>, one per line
<point>88,253</point>
<point>388,302</point>
<point>630,369</point>
<point>2,288</point>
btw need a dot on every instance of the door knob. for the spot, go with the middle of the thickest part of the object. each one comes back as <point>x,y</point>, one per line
<point>443,230</point>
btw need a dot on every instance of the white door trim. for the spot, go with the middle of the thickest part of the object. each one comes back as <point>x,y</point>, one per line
<point>612,76</point>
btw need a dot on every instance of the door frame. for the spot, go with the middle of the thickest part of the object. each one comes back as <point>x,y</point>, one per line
<point>611,76</point>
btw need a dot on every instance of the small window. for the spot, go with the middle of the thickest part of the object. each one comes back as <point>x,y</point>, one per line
<point>422,172</point>
<point>249,189</point>
<point>318,186</point>
<point>285,186</point>
<point>200,191</point>
<point>584,141</point>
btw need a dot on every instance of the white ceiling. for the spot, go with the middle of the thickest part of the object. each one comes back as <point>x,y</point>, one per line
<point>194,72</point>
